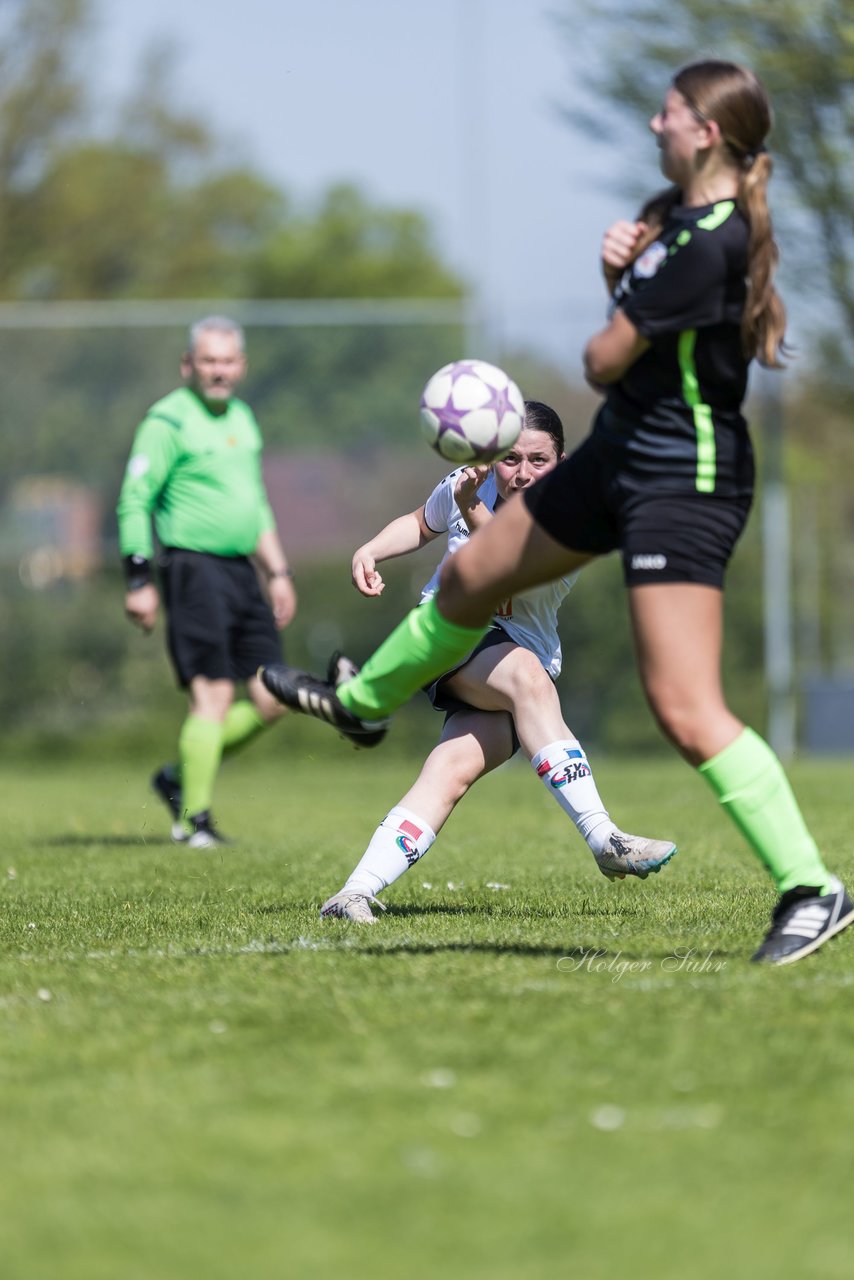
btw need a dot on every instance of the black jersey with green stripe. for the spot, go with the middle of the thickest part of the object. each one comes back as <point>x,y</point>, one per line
<point>676,412</point>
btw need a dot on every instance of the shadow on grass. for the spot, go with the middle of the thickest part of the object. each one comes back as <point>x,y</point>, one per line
<point>391,913</point>
<point>474,948</point>
<point>577,957</point>
<point>404,909</point>
<point>108,842</point>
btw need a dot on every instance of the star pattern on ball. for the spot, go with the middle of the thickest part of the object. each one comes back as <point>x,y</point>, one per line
<point>485,425</point>
<point>450,416</point>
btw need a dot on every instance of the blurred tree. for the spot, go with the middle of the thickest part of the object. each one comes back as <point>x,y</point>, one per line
<point>803,50</point>
<point>41,101</point>
<point>146,207</point>
<point>108,220</point>
<point>348,248</point>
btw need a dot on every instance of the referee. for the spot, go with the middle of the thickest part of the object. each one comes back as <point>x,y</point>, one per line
<point>195,466</point>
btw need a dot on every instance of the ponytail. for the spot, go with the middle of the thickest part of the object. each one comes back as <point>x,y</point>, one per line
<point>763,325</point>
<point>733,97</point>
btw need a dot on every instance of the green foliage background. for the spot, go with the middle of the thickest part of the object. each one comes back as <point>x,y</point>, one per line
<point>144,202</point>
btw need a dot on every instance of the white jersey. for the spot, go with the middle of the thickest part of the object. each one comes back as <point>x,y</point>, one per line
<point>530,618</point>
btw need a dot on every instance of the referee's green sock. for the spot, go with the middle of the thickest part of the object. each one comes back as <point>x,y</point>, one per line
<point>200,752</point>
<point>421,648</point>
<point>749,781</point>
<point>242,723</point>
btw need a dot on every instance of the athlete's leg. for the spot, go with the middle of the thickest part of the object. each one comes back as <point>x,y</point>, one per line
<point>200,742</point>
<point>472,744</point>
<point>678,631</point>
<point>507,555</point>
<point>249,717</point>
<point>265,704</point>
<point>510,677</point>
<point>242,724</point>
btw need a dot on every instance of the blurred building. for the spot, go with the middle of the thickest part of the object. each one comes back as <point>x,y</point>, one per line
<point>52,530</point>
<point>326,505</point>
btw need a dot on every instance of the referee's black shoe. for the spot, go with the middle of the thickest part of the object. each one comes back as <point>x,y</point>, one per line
<point>167,785</point>
<point>803,919</point>
<point>311,696</point>
<point>204,834</point>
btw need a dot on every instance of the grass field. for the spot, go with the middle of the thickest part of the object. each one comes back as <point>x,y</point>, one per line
<point>521,1071</point>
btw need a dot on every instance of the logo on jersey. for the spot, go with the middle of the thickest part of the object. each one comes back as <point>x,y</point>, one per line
<point>138,466</point>
<point>407,837</point>
<point>650,260</point>
<point>649,562</point>
<point>505,609</point>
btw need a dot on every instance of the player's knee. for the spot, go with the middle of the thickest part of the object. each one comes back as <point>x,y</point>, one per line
<point>526,677</point>
<point>681,719</point>
<point>455,771</point>
<point>210,699</point>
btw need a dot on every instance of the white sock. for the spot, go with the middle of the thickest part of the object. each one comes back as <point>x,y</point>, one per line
<point>397,844</point>
<point>568,777</point>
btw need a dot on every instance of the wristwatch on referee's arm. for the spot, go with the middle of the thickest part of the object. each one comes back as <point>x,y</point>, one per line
<point>280,573</point>
<point>137,572</point>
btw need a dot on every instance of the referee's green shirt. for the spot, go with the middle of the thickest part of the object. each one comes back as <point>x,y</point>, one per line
<point>199,474</point>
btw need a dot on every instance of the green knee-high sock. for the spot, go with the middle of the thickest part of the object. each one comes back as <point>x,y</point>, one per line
<point>421,648</point>
<point>242,723</point>
<point>749,781</point>
<point>200,751</point>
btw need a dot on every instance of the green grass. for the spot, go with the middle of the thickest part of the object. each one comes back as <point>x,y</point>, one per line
<point>555,1077</point>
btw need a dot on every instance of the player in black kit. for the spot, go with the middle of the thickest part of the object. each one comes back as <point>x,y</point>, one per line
<point>665,477</point>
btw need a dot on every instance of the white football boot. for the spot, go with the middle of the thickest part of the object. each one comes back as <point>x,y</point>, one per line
<point>352,905</point>
<point>626,855</point>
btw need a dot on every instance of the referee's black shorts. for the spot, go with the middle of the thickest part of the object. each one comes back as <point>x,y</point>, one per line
<point>219,624</point>
<point>591,502</point>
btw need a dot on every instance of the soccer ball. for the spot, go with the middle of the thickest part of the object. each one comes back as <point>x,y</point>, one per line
<point>471,412</point>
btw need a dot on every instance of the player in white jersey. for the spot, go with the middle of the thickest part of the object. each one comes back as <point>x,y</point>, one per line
<point>501,697</point>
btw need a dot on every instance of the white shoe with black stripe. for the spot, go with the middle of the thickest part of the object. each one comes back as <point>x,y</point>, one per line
<point>803,920</point>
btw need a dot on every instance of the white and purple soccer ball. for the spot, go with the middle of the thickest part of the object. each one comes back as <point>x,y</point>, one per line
<point>471,412</point>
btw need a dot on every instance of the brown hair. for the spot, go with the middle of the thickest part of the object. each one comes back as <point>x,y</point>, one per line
<point>542,417</point>
<point>733,97</point>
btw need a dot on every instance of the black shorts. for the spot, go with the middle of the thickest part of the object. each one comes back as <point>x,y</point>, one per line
<point>593,504</point>
<point>443,700</point>
<point>219,624</point>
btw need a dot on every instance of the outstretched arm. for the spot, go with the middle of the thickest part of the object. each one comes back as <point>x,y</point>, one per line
<point>398,538</point>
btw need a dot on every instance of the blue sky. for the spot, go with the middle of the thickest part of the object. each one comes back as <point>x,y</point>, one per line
<point>448,106</point>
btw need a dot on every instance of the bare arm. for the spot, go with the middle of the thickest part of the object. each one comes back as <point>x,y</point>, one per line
<point>619,248</point>
<point>141,606</point>
<point>398,538</point>
<point>472,509</point>
<point>270,557</point>
<point>612,351</point>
